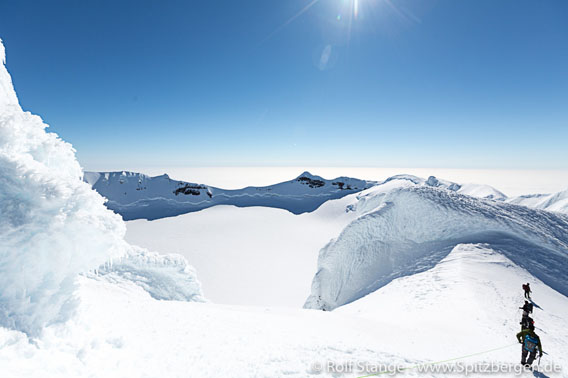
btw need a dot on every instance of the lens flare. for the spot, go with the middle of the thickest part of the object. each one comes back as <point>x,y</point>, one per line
<point>349,12</point>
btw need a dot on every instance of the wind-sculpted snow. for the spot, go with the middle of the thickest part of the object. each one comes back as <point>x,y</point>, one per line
<point>165,277</point>
<point>137,196</point>
<point>53,226</point>
<point>404,229</point>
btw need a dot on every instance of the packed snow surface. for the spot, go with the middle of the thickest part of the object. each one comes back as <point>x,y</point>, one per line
<point>53,226</point>
<point>137,196</point>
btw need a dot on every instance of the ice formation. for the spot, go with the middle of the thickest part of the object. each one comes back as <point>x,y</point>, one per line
<point>165,277</point>
<point>53,226</point>
<point>404,228</point>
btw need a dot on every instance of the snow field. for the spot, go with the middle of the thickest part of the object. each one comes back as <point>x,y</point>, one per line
<point>466,304</point>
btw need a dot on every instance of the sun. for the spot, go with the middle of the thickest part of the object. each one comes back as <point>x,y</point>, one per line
<point>351,5</point>
<point>348,12</point>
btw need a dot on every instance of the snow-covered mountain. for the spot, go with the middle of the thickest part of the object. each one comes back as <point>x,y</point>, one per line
<point>404,228</point>
<point>552,202</point>
<point>441,270</point>
<point>474,190</point>
<point>137,196</point>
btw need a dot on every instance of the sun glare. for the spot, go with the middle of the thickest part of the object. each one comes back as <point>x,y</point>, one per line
<point>349,11</point>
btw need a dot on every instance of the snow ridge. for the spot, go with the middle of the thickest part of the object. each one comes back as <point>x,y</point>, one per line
<point>552,202</point>
<point>474,190</point>
<point>404,229</point>
<point>138,196</point>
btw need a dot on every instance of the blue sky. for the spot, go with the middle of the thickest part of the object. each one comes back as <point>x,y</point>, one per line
<point>445,83</point>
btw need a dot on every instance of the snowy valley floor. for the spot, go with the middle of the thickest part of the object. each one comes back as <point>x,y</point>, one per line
<point>468,303</point>
<point>251,256</point>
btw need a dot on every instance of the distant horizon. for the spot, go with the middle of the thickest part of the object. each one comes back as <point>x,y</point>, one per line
<point>512,182</point>
<point>479,84</point>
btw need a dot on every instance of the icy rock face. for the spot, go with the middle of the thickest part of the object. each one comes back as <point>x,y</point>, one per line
<point>53,226</point>
<point>404,229</point>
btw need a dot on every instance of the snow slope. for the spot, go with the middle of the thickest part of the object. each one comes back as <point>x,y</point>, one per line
<point>54,227</point>
<point>466,304</point>
<point>403,229</point>
<point>552,202</point>
<point>472,296</point>
<point>137,196</point>
<point>469,189</point>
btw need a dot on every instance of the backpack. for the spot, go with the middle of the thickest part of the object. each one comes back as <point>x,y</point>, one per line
<point>526,322</point>
<point>525,288</point>
<point>530,343</point>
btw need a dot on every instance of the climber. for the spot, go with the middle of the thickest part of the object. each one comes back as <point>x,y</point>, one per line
<point>526,322</point>
<point>531,342</point>
<point>527,289</point>
<point>527,308</point>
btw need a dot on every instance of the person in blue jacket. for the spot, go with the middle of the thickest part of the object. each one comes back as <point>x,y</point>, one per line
<point>531,342</point>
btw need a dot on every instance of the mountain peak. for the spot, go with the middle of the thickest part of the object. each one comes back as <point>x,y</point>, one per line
<point>306,174</point>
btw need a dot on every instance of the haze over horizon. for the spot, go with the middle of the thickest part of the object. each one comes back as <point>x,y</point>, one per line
<point>478,84</point>
<point>512,182</point>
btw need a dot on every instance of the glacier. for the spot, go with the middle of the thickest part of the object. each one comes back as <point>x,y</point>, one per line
<point>54,227</point>
<point>405,227</point>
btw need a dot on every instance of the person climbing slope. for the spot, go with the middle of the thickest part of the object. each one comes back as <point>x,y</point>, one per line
<point>526,322</point>
<point>527,289</point>
<point>527,308</point>
<point>531,342</point>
